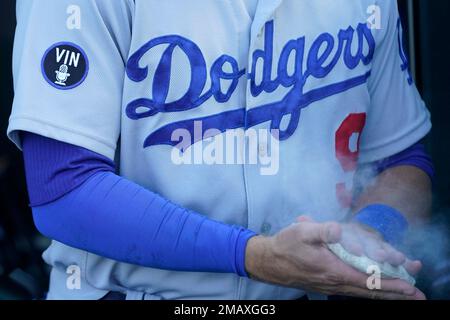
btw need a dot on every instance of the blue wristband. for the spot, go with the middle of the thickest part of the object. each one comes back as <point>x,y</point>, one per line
<point>389,222</point>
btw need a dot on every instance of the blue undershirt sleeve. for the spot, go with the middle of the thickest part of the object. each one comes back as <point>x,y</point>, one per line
<point>113,217</point>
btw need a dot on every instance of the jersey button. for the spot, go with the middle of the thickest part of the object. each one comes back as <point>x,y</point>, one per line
<point>265,228</point>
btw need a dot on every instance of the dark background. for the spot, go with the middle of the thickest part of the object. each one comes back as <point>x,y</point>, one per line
<point>23,274</point>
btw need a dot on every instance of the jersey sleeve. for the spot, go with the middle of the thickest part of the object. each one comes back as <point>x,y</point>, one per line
<point>397,117</point>
<point>69,67</point>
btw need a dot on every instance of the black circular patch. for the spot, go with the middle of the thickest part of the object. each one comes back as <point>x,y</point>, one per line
<point>65,65</point>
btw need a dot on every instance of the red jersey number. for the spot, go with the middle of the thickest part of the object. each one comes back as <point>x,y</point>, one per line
<point>350,128</point>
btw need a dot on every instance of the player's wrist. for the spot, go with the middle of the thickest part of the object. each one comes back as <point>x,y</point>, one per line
<point>256,255</point>
<point>243,237</point>
<point>385,220</point>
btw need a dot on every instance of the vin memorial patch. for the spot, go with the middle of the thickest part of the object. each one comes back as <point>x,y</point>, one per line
<point>65,65</point>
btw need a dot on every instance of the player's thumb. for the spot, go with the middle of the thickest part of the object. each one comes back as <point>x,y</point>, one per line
<point>317,233</point>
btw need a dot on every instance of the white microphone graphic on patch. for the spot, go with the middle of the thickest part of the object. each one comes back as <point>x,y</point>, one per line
<point>64,65</point>
<point>62,75</point>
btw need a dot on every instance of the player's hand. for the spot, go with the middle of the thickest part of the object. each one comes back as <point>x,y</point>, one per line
<point>298,257</point>
<point>360,240</point>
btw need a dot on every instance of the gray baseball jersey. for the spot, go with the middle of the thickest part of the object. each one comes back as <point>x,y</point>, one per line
<point>159,84</point>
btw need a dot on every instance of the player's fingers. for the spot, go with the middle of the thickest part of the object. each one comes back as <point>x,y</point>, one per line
<point>353,247</point>
<point>354,278</point>
<point>304,218</point>
<point>377,249</point>
<point>413,267</point>
<point>420,295</point>
<point>397,286</point>
<point>381,294</point>
<point>374,250</point>
<point>351,242</point>
<point>318,233</point>
<point>351,277</point>
<point>393,257</point>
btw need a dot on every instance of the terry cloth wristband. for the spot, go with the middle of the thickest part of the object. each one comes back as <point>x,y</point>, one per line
<point>389,222</point>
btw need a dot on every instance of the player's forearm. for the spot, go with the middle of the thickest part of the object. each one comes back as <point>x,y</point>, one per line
<point>405,188</point>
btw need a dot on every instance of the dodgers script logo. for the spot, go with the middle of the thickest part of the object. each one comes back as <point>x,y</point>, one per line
<point>293,102</point>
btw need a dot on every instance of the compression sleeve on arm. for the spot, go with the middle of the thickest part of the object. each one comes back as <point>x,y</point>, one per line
<point>118,219</point>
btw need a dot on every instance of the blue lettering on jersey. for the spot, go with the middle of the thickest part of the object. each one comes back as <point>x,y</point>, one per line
<point>405,62</point>
<point>292,103</point>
